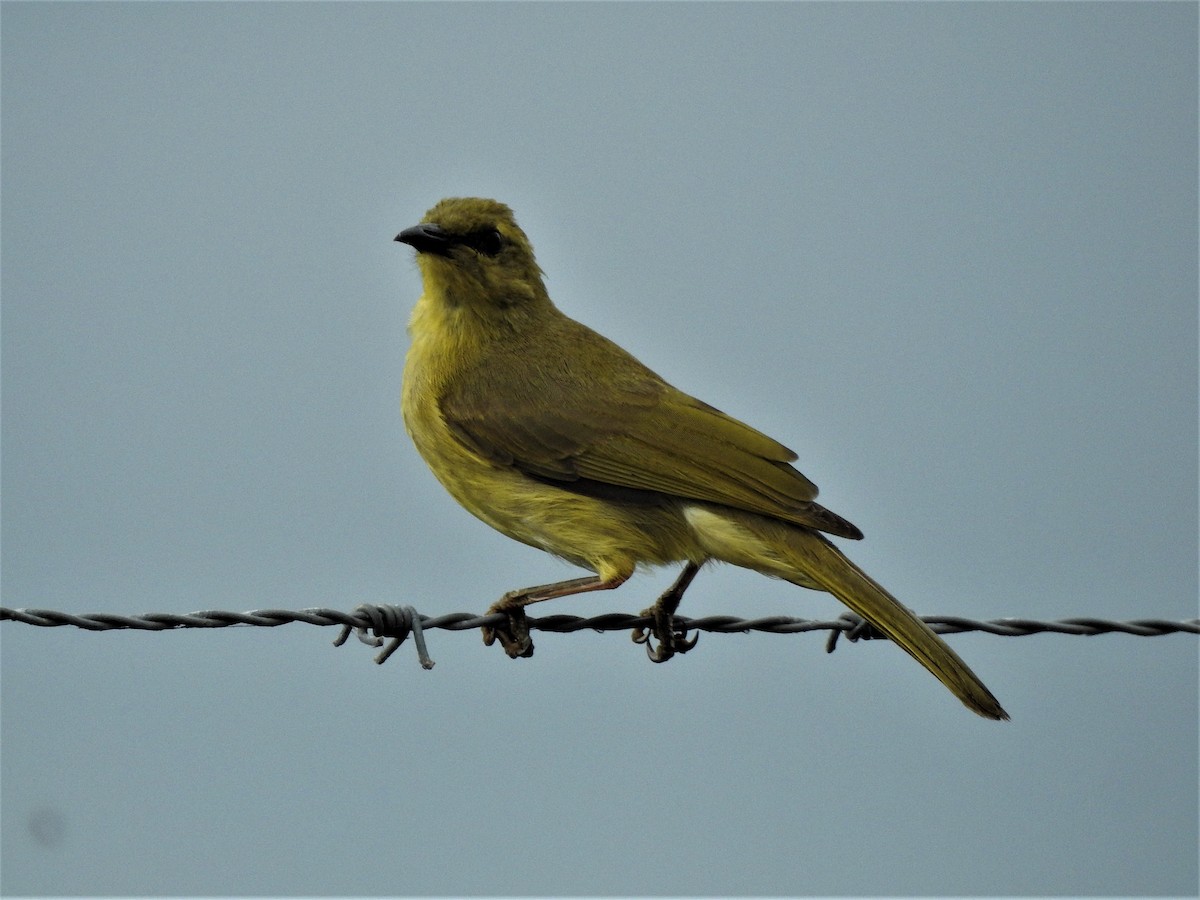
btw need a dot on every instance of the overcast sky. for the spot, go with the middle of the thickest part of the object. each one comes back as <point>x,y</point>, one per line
<point>946,252</point>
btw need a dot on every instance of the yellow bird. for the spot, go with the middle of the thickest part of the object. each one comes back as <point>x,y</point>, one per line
<point>555,436</point>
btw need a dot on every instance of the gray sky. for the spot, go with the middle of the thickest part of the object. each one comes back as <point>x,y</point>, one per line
<point>945,252</point>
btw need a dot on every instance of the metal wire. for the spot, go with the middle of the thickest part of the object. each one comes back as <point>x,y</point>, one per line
<point>374,622</point>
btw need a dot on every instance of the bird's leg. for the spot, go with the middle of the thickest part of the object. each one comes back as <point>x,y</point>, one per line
<point>514,635</point>
<point>670,641</point>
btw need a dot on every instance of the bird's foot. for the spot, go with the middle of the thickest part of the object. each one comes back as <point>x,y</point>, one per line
<point>514,634</point>
<point>671,640</point>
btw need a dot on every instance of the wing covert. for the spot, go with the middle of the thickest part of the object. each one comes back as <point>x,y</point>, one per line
<point>632,430</point>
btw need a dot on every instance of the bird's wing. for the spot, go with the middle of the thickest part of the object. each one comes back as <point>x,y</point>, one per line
<point>626,427</point>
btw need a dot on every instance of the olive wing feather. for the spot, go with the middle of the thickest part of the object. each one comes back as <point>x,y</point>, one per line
<point>630,429</point>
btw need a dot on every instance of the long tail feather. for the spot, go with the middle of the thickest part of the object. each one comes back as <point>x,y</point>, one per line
<point>804,557</point>
<point>850,584</point>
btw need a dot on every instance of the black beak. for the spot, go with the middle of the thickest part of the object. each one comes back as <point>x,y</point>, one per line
<point>426,238</point>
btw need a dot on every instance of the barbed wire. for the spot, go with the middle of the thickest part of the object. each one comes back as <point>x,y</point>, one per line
<point>374,622</point>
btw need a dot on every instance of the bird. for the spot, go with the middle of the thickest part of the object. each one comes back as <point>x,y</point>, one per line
<point>557,437</point>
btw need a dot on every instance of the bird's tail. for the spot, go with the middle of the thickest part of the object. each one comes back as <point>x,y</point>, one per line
<point>806,558</point>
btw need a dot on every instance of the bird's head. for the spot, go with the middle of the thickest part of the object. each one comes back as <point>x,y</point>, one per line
<point>472,253</point>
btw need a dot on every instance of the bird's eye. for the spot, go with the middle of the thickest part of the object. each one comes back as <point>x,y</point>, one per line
<point>487,241</point>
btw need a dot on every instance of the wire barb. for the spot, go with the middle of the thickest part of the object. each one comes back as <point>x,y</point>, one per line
<point>374,622</point>
<point>856,629</point>
<point>396,622</point>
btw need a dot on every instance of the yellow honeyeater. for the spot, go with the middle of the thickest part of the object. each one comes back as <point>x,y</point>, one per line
<point>555,436</point>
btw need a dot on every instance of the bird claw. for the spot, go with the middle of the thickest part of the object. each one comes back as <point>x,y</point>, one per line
<point>671,640</point>
<point>514,635</point>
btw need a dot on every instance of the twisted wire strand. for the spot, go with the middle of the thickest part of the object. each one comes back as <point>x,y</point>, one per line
<point>375,622</point>
<point>365,616</point>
